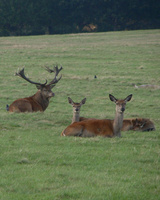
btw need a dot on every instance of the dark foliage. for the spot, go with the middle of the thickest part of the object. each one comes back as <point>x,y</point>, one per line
<point>27,17</point>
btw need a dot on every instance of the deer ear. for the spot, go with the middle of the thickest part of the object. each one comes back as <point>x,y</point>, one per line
<point>112,98</point>
<point>128,98</point>
<point>70,100</point>
<point>83,101</point>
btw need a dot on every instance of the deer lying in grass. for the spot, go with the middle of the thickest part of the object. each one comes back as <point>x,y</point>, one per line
<point>40,100</point>
<point>134,124</point>
<point>147,86</point>
<point>76,109</point>
<point>103,127</point>
<point>138,124</point>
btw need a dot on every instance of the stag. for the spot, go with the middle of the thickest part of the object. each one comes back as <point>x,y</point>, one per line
<point>40,100</point>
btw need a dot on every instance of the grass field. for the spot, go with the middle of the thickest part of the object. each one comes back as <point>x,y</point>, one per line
<point>35,162</point>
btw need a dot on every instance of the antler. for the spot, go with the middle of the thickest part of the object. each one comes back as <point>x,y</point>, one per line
<point>49,70</point>
<point>56,71</point>
<point>22,75</point>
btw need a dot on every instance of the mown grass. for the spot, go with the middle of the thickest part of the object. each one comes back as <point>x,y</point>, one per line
<point>36,163</point>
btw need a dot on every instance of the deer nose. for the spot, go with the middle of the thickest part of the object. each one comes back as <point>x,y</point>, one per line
<point>76,109</point>
<point>52,94</point>
<point>122,109</point>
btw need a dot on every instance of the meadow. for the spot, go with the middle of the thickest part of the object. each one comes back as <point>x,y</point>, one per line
<point>35,162</point>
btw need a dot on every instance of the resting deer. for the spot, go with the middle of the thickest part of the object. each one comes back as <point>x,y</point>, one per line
<point>147,86</point>
<point>76,109</point>
<point>103,127</point>
<point>40,100</point>
<point>134,124</point>
<point>138,124</point>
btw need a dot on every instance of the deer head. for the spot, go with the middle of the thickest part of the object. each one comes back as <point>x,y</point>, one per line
<point>139,123</point>
<point>76,106</point>
<point>120,104</point>
<point>45,88</point>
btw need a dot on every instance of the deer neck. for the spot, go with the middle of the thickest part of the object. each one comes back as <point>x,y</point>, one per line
<point>117,124</point>
<point>75,117</point>
<point>41,100</point>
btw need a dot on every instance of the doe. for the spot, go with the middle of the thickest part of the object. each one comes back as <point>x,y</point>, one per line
<point>76,109</point>
<point>103,127</point>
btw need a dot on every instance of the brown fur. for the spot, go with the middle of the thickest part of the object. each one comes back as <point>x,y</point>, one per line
<point>37,102</point>
<point>95,127</point>
<point>92,128</point>
<point>40,100</point>
<point>142,124</point>
<point>138,124</point>
<point>84,119</point>
<point>134,124</point>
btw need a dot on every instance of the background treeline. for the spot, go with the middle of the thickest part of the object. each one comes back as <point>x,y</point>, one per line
<point>28,17</point>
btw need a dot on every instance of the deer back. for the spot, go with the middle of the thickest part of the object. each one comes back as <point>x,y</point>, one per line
<point>127,125</point>
<point>90,128</point>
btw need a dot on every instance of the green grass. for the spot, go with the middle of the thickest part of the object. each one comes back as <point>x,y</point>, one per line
<point>35,162</point>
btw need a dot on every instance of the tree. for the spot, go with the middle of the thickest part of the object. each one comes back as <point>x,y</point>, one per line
<point>28,17</point>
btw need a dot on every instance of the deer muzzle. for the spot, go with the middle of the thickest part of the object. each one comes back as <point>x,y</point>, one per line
<point>51,94</point>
